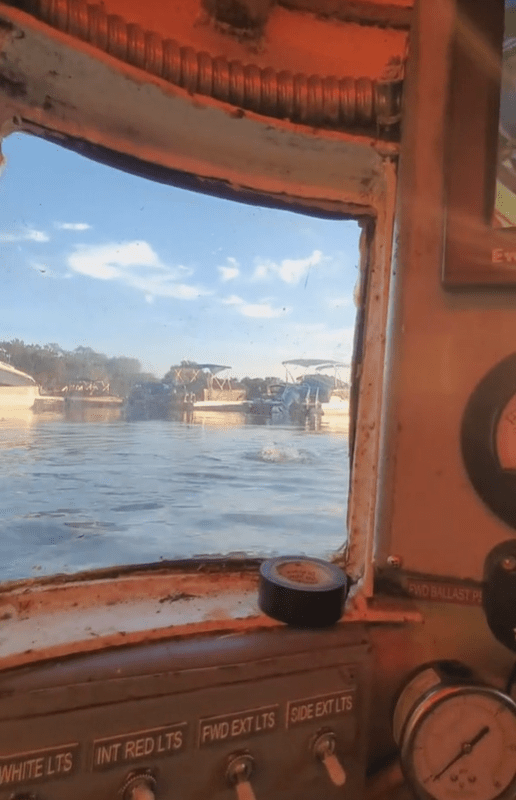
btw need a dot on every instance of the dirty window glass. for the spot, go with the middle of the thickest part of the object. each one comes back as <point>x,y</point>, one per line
<point>146,409</point>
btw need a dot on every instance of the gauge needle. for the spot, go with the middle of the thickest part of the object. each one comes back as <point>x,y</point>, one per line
<point>466,748</point>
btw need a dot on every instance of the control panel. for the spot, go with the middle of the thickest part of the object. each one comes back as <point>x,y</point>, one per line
<point>279,713</point>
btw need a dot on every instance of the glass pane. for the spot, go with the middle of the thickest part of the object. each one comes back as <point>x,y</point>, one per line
<point>121,299</point>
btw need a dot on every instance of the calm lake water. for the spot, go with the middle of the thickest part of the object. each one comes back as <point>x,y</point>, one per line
<point>78,494</point>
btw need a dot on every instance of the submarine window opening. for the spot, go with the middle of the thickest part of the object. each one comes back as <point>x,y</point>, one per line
<point>175,371</point>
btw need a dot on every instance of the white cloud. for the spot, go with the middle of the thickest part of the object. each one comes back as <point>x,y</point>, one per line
<point>262,310</point>
<point>292,270</point>
<point>182,291</point>
<point>340,302</point>
<point>229,273</point>
<point>37,236</point>
<point>134,264</point>
<point>263,270</point>
<point>72,226</point>
<point>108,262</point>
<point>28,235</point>
<point>233,300</point>
<point>289,270</point>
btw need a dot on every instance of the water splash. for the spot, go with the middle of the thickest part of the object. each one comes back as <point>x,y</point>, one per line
<point>280,454</point>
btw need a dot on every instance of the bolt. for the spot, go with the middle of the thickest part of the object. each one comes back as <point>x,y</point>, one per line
<point>394,561</point>
<point>509,563</point>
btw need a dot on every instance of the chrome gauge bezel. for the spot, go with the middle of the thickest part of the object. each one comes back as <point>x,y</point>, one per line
<point>429,704</point>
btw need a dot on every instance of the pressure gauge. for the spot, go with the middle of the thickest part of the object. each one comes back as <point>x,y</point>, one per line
<point>457,737</point>
<point>488,439</point>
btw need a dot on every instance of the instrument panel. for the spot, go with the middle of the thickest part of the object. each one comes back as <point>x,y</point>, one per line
<point>274,714</point>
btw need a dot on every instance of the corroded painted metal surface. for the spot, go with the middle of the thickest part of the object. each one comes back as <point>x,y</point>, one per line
<point>376,259</point>
<point>345,102</point>
<point>49,619</point>
<point>440,346</point>
<point>51,86</point>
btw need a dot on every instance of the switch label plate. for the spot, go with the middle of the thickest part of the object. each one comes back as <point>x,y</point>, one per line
<point>38,765</point>
<point>326,706</point>
<point>240,725</point>
<point>138,745</point>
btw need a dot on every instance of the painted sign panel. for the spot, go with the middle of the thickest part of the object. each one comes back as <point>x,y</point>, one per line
<point>49,763</point>
<point>138,745</point>
<point>319,708</point>
<point>239,725</point>
<point>444,592</point>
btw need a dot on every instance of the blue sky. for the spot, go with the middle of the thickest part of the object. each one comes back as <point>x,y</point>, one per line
<point>91,256</point>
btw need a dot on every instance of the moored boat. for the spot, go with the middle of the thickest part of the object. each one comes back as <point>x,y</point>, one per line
<point>88,392</point>
<point>221,393</point>
<point>221,405</point>
<point>329,394</point>
<point>17,389</point>
<point>336,406</point>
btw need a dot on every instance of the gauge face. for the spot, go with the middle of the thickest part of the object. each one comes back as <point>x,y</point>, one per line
<point>505,436</point>
<point>464,748</point>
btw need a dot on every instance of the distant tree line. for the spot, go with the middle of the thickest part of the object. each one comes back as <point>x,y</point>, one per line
<point>54,368</point>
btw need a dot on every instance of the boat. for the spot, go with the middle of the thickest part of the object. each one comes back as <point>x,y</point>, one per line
<point>186,388</point>
<point>151,400</point>
<point>213,419</point>
<point>325,394</point>
<point>220,393</point>
<point>17,389</point>
<point>220,404</point>
<point>87,392</point>
<point>336,406</point>
<point>338,402</point>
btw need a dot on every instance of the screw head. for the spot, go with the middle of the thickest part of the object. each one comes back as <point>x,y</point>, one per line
<point>394,561</point>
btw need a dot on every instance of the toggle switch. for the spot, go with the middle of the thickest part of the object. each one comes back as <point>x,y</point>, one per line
<point>139,786</point>
<point>323,748</point>
<point>238,772</point>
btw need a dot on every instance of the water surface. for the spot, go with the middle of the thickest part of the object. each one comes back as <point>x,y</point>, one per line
<point>78,494</point>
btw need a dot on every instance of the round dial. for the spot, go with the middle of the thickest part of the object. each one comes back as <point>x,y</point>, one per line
<point>488,439</point>
<point>505,436</point>
<point>464,748</point>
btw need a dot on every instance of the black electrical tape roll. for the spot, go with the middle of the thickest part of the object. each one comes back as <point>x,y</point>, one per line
<point>303,592</point>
